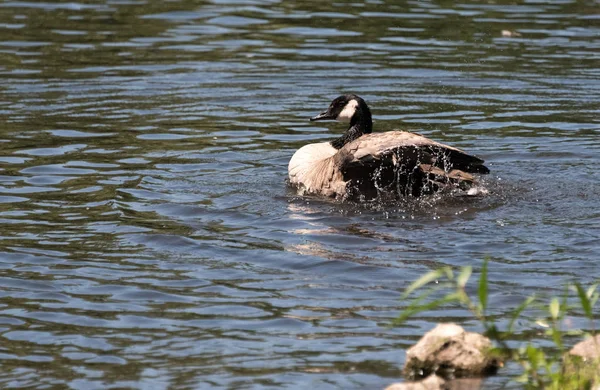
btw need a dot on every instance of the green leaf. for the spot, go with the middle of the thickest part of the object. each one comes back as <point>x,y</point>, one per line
<point>517,312</point>
<point>483,286</point>
<point>464,276</point>
<point>576,332</point>
<point>492,332</point>
<point>533,354</point>
<point>449,273</point>
<point>523,378</point>
<point>557,337</point>
<point>584,299</point>
<point>405,315</point>
<point>416,305</point>
<point>554,308</point>
<point>594,299</point>
<point>412,310</point>
<point>590,291</point>
<point>564,302</point>
<point>423,280</point>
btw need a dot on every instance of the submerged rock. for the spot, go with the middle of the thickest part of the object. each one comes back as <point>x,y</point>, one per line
<point>448,350</point>
<point>465,384</point>
<point>432,382</point>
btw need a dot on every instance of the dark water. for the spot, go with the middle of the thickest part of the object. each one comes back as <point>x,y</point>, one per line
<point>148,236</point>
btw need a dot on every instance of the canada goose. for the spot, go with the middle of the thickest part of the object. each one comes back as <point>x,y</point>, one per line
<point>365,164</point>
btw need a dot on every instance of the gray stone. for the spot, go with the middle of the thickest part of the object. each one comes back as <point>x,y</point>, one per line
<point>448,350</point>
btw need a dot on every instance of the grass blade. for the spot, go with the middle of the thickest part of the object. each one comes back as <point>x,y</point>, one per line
<point>483,287</point>
<point>518,312</point>
<point>591,290</point>
<point>585,300</point>
<point>464,276</point>
<point>412,310</point>
<point>423,280</point>
<point>449,273</point>
<point>554,308</point>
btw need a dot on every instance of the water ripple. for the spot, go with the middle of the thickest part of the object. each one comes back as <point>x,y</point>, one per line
<point>150,240</point>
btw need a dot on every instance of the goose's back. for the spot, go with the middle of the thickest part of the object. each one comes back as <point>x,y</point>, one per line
<point>377,146</point>
<point>405,163</point>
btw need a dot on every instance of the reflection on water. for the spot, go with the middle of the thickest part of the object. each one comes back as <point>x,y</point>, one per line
<point>150,240</point>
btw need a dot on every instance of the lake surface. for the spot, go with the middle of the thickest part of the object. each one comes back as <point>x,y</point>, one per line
<point>149,239</point>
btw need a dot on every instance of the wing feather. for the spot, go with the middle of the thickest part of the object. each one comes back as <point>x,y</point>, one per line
<point>375,147</point>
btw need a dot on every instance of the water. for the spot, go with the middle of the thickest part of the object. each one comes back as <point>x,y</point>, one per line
<point>149,239</point>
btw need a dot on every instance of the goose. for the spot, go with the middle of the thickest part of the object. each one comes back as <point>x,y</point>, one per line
<point>364,165</point>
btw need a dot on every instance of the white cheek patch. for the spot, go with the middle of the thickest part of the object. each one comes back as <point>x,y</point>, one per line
<point>348,111</point>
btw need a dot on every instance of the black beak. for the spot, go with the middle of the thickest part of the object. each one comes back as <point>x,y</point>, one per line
<point>322,116</point>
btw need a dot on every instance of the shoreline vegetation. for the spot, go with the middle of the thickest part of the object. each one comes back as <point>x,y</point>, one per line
<point>448,354</point>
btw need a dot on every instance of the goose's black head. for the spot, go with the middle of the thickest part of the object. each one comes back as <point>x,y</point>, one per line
<point>343,108</point>
<point>348,108</point>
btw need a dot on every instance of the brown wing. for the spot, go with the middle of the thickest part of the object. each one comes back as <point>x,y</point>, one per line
<point>406,161</point>
<point>373,149</point>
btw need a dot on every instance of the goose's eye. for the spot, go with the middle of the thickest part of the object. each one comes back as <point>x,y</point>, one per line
<point>339,105</point>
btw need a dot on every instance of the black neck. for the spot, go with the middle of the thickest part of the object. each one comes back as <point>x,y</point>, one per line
<point>361,123</point>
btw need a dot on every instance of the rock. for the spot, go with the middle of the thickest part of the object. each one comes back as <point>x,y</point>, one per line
<point>587,349</point>
<point>582,364</point>
<point>432,382</point>
<point>448,350</point>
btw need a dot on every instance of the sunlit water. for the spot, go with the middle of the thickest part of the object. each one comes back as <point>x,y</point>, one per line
<point>149,239</point>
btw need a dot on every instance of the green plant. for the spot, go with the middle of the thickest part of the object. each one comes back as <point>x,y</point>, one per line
<point>542,368</point>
